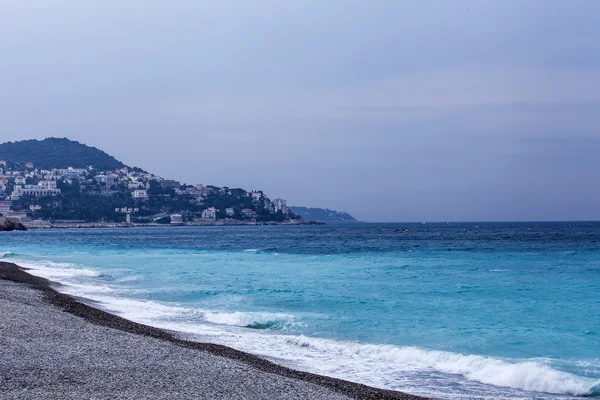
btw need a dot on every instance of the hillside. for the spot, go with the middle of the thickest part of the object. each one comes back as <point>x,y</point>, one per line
<point>57,153</point>
<point>112,192</point>
<point>323,215</point>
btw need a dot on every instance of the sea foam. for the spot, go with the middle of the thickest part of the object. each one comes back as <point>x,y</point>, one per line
<point>57,270</point>
<point>255,320</point>
<point>525,375</point>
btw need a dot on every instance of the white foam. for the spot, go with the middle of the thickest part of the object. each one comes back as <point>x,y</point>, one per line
<point>527,375</point>
<point>128,278</point>
<point>82,290</point>
<point>249,319</point>
<point>140,310</point>
<point>57,271</point>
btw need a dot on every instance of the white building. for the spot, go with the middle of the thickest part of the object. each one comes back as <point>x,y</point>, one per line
<point>209,213</point>
<point>102,178</point>
<point>47,184</point>
<point>256,195</point>
<point>229,212</point>
<point>34,191</point>
<point>176,219</point>
<point>70,172</point>
<point>248,212</point>
<point>140,194</point>
<point>134,184</point>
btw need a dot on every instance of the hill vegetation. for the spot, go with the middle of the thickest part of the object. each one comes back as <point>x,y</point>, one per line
<point>57,153</point>
<point>323,215</point>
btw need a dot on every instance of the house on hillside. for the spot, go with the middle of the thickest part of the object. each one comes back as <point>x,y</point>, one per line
<point>248,212</point>
<point>43,188</point>
<point>140,195</point>
<point>176,219</point>
<point>209,214</point>
<point>256,195</point>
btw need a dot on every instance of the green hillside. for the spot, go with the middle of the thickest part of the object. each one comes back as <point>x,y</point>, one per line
<point>57,153</point>
<point>323,215</point>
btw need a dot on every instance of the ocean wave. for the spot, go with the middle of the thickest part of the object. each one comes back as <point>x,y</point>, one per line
<point>7,254</point>
<point>268,250</point>
<point>526,375</point>
<point>79,289</point>
<point>156,313</point>
<point>128,278</point>
<point>144,311</point>
<point>57,270</point>
<point>254,320</point>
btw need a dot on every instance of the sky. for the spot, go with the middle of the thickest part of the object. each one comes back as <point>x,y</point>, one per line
<point>423,110</point>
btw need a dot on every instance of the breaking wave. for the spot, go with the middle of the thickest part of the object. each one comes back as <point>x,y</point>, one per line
<point>57,271</point>
<point>526,375</point>
<point>254,320</point>
<point>7,254</point>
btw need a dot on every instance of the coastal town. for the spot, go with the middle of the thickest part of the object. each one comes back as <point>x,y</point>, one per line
<point>126,195</point>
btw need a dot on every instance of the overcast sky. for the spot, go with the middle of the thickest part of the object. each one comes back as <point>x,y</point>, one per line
<point>392,110</point>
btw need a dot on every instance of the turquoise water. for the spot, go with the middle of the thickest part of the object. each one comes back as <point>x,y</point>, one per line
<point>447,310</point>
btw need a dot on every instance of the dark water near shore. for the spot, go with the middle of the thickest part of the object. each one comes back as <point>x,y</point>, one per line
<point>454,310</point>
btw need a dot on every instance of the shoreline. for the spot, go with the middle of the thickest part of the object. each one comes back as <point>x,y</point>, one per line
<point>97,225</point>
<point>16,274</point>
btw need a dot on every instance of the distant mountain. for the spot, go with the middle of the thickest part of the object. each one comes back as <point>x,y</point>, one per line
<point>57,153</point>
<point>322,215</point>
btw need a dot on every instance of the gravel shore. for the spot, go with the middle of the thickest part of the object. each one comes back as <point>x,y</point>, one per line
<point>53,346</point>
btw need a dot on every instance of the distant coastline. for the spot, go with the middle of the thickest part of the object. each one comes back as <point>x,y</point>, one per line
<point>324,215</point>
<point>89,225</point>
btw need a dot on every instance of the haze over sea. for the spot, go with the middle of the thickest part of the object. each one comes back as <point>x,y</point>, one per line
<point>487,310</point>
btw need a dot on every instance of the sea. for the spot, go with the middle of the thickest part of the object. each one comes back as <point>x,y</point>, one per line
<point>447,310</point>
